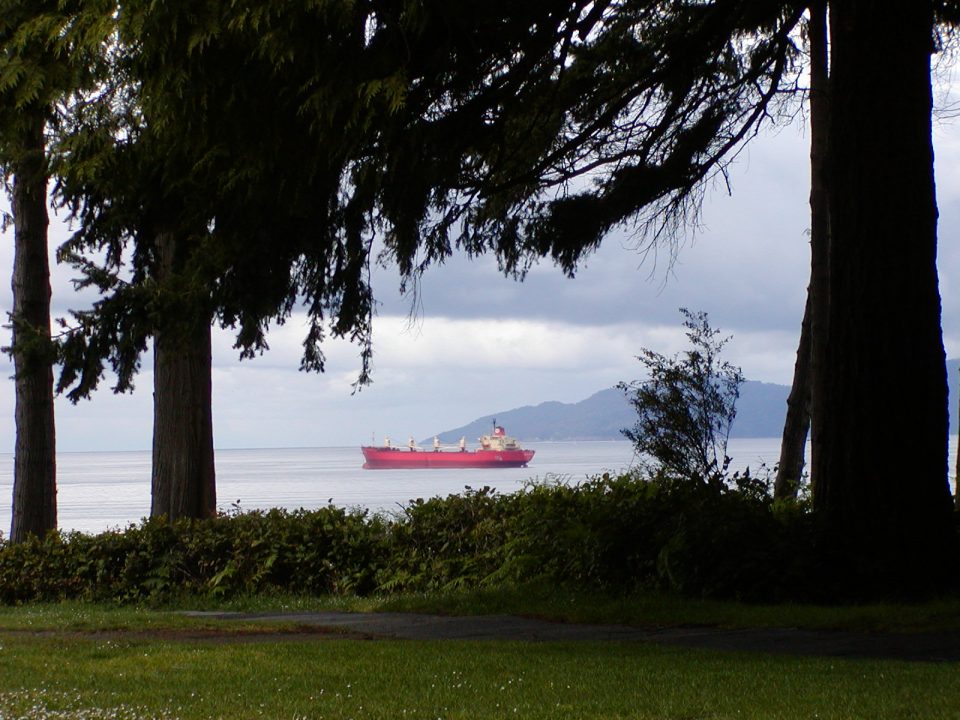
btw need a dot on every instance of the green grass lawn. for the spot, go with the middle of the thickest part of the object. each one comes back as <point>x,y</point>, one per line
<point>93,662</point>
<point>120,677</point>
<point>650,610</point>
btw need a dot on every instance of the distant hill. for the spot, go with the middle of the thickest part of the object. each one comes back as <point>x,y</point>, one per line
<point>599,417</point>
<point>760,413</point>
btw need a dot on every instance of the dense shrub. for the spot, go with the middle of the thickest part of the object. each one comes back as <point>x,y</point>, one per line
<point>323,551</point>
<point>660,533</point>
<point>609,533</point>
<point>592,534</point>
<point>447,543</point>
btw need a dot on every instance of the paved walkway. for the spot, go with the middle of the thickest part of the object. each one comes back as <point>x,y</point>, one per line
<point>931,647</point>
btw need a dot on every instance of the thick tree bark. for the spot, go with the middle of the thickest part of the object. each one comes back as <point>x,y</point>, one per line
<point>810,349</point>
<point>880,478</point>
<point>34,467</point>
<point>183,480</point>
<point>797,423</point>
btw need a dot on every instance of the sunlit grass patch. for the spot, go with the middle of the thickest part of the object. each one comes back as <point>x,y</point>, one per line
<point>40,703</point>
<point>74,615</point>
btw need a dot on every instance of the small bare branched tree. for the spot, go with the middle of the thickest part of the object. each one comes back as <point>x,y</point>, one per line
<point>686,406</point>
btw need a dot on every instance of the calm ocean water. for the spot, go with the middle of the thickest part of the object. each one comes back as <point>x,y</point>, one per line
<point>102,490</point>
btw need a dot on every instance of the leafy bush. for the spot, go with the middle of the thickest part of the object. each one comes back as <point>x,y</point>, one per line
<point>447,543</point>
<point>609,533</point>
<point>323,551</point>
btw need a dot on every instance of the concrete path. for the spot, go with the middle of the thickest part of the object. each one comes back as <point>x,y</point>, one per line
<point>931,647</point>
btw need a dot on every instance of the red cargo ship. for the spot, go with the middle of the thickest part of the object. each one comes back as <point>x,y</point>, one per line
<point>496,451</point>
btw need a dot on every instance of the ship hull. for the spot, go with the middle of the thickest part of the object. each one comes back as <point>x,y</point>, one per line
<point>378,458</point>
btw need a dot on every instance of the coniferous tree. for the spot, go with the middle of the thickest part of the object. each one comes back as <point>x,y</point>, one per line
<point>193,181</point>
<point>46,54</point>
<point>34,469</point>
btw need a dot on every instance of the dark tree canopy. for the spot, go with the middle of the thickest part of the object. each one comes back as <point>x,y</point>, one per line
<point>427,125</point>
<point>610,112</point>
<point>212,145</point>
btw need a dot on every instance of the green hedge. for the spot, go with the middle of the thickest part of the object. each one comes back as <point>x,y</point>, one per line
<point>609,533</point>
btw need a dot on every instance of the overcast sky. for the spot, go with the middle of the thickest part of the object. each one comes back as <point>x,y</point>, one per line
<point>481,344</point>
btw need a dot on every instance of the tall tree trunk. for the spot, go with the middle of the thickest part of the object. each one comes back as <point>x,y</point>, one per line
<point>881,475</point>
<point>810,348</point>
<point>797,423</point>
<point>820,240</point>
<point>34,467</point>
<point>183,480</point>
